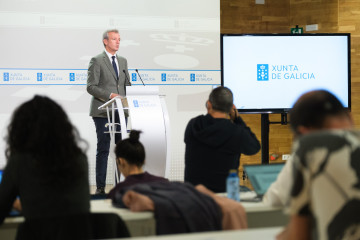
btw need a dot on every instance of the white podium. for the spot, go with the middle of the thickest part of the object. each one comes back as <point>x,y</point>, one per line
<point>147,113</point>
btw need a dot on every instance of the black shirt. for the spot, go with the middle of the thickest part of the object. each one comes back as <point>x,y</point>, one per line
<point>213,147</point>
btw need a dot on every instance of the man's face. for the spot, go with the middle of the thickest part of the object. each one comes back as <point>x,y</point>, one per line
<point>112,43</point>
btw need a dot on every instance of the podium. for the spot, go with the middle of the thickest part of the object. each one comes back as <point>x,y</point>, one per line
<point>147,113</point>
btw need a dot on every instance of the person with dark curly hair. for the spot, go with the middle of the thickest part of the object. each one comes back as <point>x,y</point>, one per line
<point>46,168</point>
<point>130,158</point>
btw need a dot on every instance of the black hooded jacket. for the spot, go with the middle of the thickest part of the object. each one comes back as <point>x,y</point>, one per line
<point>213,147</point>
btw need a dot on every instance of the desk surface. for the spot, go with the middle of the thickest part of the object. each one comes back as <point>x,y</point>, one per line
<point>124,213</point>
<point>249,234</point>
<point>103,206</point>
<point>259,216</point>
<point>127,215</point>
<point>138,223</point>
<point>259,207</point>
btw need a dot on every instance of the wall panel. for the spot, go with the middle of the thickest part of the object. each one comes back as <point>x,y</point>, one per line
<point>278,16</point>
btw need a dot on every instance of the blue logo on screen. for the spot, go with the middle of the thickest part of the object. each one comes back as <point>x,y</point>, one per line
<point>133,77</point>
<point>136,103</point>
<point>263,72</point>
<point>72,77</point>
<point>6,76</point>
<point>163,77</point>
<point>192,77</point>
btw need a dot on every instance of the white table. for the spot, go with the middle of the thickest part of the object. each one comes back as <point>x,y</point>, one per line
<point>144,224</point>
<point>249,234</point>
<point>260,215</point>
<point>138,223</point>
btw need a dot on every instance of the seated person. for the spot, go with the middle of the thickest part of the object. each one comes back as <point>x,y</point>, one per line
<point>130,158</point>
<point>325,197</point>
<point>137,188</point>
<point>214,142</point>
<point>181,208</point>
<point>313,111</point>
<point>45,167</point>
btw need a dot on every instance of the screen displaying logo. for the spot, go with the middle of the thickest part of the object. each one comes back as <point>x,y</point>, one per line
<point>263,72</point>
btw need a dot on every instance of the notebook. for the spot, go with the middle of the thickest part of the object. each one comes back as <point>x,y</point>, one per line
<point>261,176</point>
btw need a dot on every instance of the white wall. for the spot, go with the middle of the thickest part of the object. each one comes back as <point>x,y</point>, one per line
<point>57,37</point>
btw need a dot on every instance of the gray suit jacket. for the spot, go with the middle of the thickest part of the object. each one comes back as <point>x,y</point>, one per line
<point>102,81</point>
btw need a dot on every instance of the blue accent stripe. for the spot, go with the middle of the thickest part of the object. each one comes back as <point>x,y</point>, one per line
<point>40,84</point>
<point>62,69</point>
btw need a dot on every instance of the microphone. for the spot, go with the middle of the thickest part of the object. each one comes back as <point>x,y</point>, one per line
<point>139,76</point>
<point>126,76</point>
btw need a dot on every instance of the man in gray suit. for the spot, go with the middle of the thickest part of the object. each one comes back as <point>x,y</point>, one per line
<point>107,77</point>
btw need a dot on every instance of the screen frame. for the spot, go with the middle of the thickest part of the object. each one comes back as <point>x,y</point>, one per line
<point>284,110</point>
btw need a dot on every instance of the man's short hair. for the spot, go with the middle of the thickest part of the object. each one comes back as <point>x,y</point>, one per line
<point>221,99</point>
<point>312,109</point>
<point>106,34</point>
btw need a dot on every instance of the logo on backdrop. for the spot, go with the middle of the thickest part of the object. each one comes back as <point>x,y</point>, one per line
<point>263,72</point>
<point>295,72</point>
<point>133,77</point>
<point>6,76</point>
<point>144,103</point>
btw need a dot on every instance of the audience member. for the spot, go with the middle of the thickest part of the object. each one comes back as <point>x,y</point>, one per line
<point>151,197</point>
<point>214,142</point>
<point>325,195</point>
<point>130,158</point>
<point>45,167</point>
<point>178,207</point>
<point>325,171</point>
<point>314,111</point>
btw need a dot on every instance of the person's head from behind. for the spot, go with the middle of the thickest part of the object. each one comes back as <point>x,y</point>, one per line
<point>130,154</point>
<point>40,128</point>
<point>318,110</point>
<point>220,100</point>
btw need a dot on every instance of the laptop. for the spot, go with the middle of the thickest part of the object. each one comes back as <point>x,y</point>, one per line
<point>13,212</point>
<point>261,176</point>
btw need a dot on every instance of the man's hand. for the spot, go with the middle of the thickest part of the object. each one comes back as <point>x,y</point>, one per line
<point>113,95</point>
<point>17,205</point>
<point>234,113</point>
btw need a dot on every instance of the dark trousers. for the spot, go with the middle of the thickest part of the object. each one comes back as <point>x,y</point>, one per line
<point>102,147</point>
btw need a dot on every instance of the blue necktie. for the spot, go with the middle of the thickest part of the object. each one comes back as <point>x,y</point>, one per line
<point>115,67</point>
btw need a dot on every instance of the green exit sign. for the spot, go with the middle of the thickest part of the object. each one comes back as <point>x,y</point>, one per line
<point>297,30</point>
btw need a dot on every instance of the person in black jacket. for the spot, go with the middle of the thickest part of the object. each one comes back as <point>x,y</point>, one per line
<point>214,142</point>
